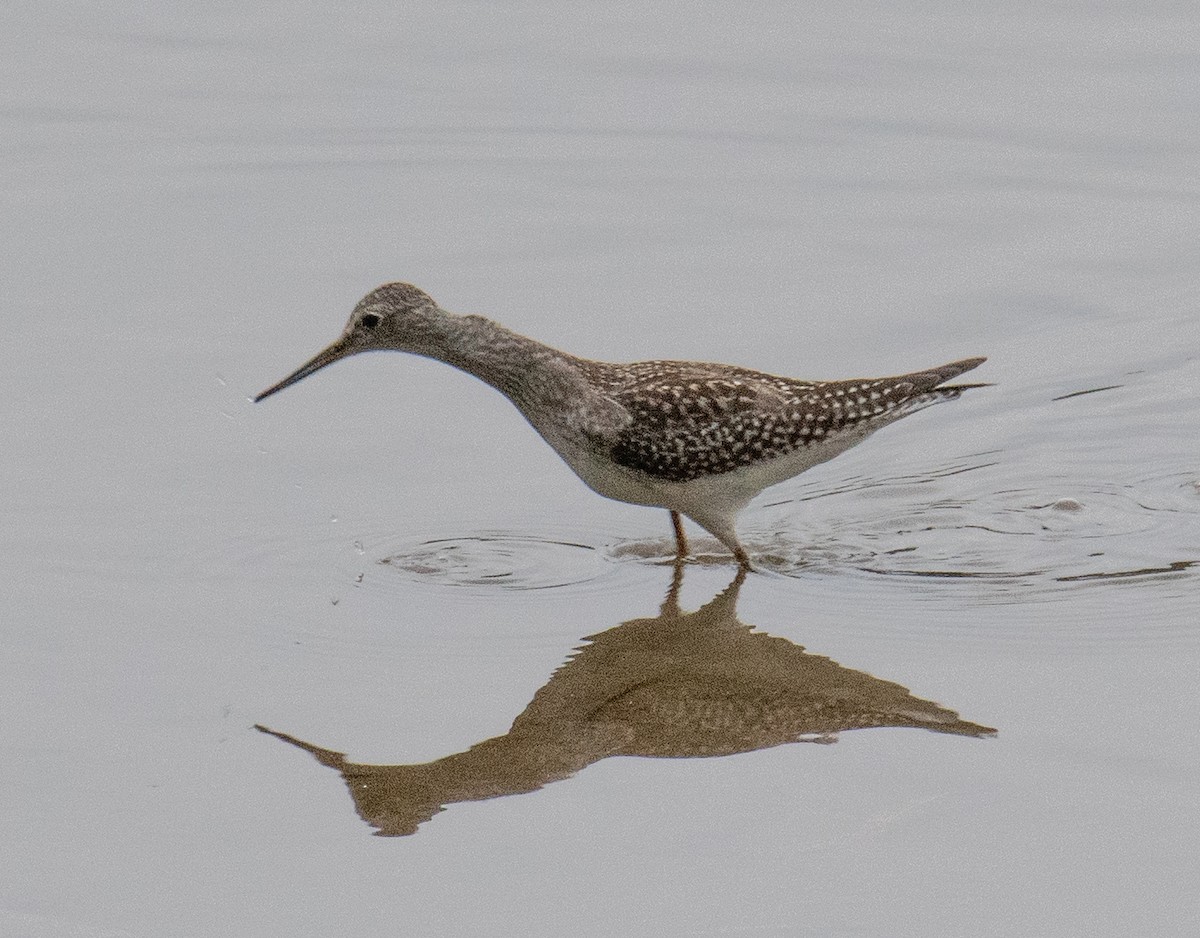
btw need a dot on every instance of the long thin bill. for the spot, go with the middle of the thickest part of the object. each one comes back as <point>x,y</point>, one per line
<point>340,349</point>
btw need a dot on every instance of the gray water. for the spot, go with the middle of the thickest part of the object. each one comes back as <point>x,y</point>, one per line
<point>385,566</point>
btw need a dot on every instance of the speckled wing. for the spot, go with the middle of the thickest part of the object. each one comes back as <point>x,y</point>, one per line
<point>689,419</point>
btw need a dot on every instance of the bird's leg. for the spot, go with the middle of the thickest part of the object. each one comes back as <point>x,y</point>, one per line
<point>722,529</point>
<point>681,544</point>
<point>729,538</point>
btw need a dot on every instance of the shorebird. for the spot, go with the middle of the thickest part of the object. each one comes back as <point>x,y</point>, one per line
<point>698,439</point>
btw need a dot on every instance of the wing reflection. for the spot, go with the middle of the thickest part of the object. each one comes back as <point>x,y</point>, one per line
<point>678,684</point>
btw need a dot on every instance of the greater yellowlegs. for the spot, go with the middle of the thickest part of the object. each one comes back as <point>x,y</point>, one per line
<point>698,439</point>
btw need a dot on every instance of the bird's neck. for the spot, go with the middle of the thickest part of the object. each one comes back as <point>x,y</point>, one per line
<point>526,371</point>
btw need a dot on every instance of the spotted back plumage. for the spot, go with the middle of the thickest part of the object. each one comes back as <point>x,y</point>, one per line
<point>689,419</point>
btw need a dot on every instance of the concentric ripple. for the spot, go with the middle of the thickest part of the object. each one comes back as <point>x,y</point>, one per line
<point>502,561</point>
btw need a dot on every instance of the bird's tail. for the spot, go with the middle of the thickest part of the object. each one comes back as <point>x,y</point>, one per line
<point>916,391</point>
<point>935,377</point>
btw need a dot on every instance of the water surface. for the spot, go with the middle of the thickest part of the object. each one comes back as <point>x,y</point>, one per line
<point>990,606</point>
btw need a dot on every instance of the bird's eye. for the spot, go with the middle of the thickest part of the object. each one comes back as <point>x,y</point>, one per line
<point>370,320</point>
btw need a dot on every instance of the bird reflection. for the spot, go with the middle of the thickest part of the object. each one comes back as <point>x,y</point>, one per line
<point>678,684</point>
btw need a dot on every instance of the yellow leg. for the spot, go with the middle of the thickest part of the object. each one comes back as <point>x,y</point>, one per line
<point>681,544</point>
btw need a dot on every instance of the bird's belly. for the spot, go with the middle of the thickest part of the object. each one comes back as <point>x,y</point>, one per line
<point>612,481</point>
<point>722,493</point>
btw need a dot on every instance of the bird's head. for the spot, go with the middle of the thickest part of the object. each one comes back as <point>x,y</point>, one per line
<point>394,316</point>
